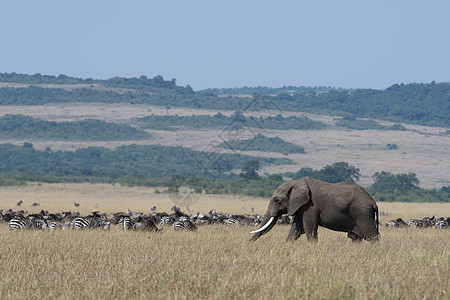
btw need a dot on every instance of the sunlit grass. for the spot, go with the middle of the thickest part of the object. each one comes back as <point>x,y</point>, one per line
<point>216,261</point>
<point>219,262</point>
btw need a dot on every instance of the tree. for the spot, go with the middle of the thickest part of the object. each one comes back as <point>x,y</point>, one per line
<point>388,181</point>
<point>338,172</point>
<point>249,170</point>
<point>408,181</point>
<point>304,172</point>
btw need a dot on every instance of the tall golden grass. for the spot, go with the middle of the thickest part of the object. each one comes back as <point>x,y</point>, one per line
<point>216,261</point>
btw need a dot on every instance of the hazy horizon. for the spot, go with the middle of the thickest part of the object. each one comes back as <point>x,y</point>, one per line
<point>348,44</point>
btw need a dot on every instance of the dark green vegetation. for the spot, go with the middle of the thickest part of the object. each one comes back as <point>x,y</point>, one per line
<point>337,172</point>
<point>426,104</point>
<point>392,146</point>
<point>249,170</point>
<point>19,126</point>
<point>404,188</point>
<point>134,160</point>
<point>155,166</point>
<point>237,121</point>
<point>262,143</point>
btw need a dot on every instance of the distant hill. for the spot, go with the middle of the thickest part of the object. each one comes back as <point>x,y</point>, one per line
<point>158,82</point>
<point>415,103</point>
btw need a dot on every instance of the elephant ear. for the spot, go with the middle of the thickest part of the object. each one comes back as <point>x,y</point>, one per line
<point>299,196</point>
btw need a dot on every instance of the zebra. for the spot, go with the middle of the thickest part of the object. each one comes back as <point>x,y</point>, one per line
<point>415,223</point>
<point>396,223</point>
<point>17,224</point>
<point>99,223</point>
<point>231,222</point>
<point>166,220</point>
<point>80,223</point>
<point>185,225</point>
<point>442,223</point>
<point>183,219</point>
<point>52,226</point>
<point>126,223</point>
<point>38,224</point>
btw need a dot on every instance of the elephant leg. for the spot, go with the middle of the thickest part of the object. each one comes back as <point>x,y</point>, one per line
<point>354,237</point>
<point>296,229</point>
<point>356,234</point>
<point>368,229</point>
<point>311,224</point>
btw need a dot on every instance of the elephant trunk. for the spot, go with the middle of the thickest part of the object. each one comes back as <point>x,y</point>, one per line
<point>266,226</point>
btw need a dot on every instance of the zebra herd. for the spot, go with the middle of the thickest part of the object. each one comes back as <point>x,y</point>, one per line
<point>427,222</point>
<point>178,220</point>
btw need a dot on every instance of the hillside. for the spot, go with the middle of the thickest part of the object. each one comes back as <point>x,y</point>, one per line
<point>424,104</point>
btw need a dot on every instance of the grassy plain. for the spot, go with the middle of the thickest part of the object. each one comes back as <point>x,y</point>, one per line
<point>216,261</point>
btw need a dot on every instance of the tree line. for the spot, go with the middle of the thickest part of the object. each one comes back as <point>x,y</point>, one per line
<point>25,127</point>
<point>156,166</point>
<point>150,161</point>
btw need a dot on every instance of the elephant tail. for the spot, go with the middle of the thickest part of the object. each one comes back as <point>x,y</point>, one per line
<point>378,222</point>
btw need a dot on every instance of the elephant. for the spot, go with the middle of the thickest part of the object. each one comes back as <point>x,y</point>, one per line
<point>343,206</point>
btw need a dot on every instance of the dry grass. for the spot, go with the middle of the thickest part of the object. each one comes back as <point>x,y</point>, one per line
<point>216,261</point>
<point>112,198</point>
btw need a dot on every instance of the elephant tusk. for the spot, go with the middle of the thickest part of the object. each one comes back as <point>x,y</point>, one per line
<point>264,227</point>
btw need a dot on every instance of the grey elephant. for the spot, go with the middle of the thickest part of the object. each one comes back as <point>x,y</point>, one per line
<point>340,206</point>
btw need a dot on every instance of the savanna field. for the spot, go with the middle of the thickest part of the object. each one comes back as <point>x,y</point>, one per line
<point>216,261</point>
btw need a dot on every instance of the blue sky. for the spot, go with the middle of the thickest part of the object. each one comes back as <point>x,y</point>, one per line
<point>351,44</point>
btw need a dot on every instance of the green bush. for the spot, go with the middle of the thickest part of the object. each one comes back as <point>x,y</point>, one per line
<point>262,143</point>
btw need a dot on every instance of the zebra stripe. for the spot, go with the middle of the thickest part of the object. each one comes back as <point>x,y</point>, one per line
<point>177,225</point>
<point>186,225</point>
<point>231,222</point>
<point>183,219</point>
<point>80,224</point>
<point>126,223</point>
<point>17,224</point>
<point>52,226</point>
